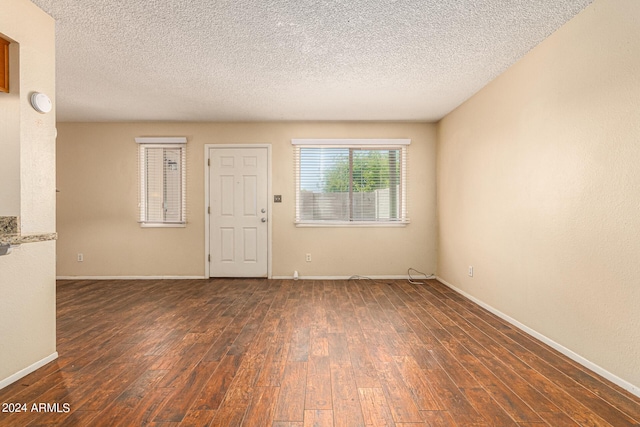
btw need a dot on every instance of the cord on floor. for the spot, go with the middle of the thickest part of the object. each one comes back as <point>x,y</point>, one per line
<point>358,277</point>
<point>414,282</point>
<point>410,280</point>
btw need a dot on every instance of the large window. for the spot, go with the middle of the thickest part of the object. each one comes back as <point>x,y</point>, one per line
<point>350,182</point>
<point>162,181</point>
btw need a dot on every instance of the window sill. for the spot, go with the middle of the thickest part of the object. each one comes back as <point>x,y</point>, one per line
<point>350,224</point>
<point>162,225</point>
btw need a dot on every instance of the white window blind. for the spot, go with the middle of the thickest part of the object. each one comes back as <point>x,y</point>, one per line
<point>350,182</point>
<point>162,181</point>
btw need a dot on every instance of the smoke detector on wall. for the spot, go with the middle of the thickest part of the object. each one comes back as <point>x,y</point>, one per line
<point>41,102</point>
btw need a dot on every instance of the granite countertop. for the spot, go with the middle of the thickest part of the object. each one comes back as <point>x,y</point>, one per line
<point>9,225</point>
<point>17,239</point>
<point>10,233</point>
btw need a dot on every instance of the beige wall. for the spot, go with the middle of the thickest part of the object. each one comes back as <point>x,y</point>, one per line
<point>539,189</point>
<point>97,203</point>
<point>27,276</point>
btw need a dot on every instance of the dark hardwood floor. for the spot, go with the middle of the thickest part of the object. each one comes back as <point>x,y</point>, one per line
<point>301,354</point>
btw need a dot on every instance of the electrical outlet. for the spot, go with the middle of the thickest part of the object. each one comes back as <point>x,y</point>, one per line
<point>470,271</point>
<point>80,257</point>
<point>308,258</point>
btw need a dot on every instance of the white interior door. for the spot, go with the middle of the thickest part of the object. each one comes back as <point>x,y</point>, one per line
<point>238,194</point>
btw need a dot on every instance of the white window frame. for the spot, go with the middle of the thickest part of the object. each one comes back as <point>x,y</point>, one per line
<point>392,144</point>
<point>145,143</point>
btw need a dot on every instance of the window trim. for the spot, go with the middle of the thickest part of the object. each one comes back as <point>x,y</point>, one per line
<point>145,143</point>
<point>374,144</point>
<point>351,142</point>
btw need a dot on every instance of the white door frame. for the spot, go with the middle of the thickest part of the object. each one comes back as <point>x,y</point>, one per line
<point>207,201</point>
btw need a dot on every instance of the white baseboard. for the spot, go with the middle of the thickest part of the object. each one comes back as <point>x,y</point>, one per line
<point>26,371</point>
<point>569,353</point>
<point>127,277</point>
<point>389,277</point>
<point>383,277</point>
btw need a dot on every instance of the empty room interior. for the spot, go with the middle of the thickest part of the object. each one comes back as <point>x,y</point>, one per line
<point>320,213</point>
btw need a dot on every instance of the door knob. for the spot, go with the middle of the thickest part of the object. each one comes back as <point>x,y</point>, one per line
<point>263,210</point>
<point>263,219</point>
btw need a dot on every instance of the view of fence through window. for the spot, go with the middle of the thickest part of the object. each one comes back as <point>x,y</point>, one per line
<point>349,184</point>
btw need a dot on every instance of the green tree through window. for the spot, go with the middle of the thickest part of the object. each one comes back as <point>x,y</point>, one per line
<point>371,170</point>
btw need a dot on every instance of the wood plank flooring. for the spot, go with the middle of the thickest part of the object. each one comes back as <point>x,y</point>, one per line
<point>300,354</point>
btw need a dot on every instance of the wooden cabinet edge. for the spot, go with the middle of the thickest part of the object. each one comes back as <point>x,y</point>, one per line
<point>4,65</point>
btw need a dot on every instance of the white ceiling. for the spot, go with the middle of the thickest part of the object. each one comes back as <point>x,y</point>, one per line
<point>248,60</point>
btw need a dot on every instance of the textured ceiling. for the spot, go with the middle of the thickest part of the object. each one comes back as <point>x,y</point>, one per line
<point>248,60</point>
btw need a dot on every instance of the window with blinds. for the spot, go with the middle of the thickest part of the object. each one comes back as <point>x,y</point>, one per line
<point>350,182</point>
<point>162,179</point>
